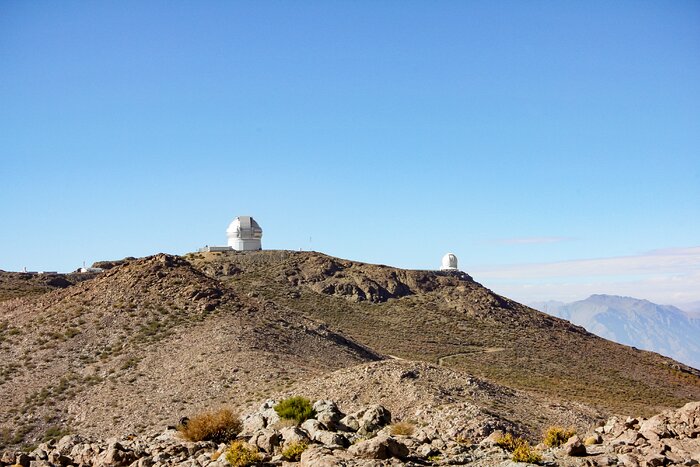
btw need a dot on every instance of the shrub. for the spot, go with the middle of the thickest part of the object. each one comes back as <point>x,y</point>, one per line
<point>556,436</point>
<point>219,426</point>
<point>295,408</point>
<point>509,442</point>
<point>294,450</point>
<point>524,453</point>
<point>242,454</point>
<point>402,428</point>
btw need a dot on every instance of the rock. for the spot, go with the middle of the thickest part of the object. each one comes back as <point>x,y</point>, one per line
<point>491,439</point>
<point>252,423</point>
<point>574,447</point>
<point>311,426</point>
<point>373,419</point>
<point>327,412</point>
<point>319,456</point>
<point>266,439</point>
<point>331,439</point>
<point>655,460</point>
<point>610,425</point>
<point>631,422</point>
<point>379,447</point>
<point>628,460</point>
<point>349,423</point>
<point>270,416</point>
<point>65,444</point>
<point>628,437</point>
<point>292,434</point>
<point>23,460</point>
<point>427,450</point>
<point>114,456</point>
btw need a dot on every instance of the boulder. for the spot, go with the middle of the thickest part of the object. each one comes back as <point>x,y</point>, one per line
<point>319,456</point>
<point>266,439</point>
<point>311,426</point>
<point>380,447</point>
<point>574,447</point>
<point>252,423</point>
<point>327,412</point>
<point>492,439</point>
<point>373,419</point>
<point>292,434</point>
<point>349,423</point>
<point>331,439</point>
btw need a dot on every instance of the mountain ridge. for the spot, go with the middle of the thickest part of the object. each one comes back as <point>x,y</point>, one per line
<point>665,329</point>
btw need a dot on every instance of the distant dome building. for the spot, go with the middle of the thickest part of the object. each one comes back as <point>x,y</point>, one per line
<point>449,263</point>
<point>244,234</point>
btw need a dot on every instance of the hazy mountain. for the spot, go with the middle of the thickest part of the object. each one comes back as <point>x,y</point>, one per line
<point>660,328</point>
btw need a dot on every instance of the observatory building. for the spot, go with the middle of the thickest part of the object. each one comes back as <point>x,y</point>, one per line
<point>449,263</point>
<point>244,234</point>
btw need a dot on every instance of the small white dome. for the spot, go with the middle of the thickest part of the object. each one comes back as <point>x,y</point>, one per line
<point>244,234</point>
<point>449,263</point>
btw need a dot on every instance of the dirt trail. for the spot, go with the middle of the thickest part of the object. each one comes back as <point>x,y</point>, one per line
<point>441,360</point>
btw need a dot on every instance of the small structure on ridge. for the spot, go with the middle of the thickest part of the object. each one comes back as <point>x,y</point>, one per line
<point>449,263</point>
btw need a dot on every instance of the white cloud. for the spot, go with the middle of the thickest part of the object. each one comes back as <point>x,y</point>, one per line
<point>667,276</point>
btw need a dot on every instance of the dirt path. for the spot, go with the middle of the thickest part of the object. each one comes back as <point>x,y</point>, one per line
<point>441,360</point>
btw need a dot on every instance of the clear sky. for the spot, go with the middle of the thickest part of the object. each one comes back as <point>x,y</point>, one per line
<point>554,147</point>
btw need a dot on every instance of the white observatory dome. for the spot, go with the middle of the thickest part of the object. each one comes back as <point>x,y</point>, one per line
<point>449,263</point>
<point>244,234</point>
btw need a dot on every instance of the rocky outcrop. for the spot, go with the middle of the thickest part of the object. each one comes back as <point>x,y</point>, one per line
<point>668,439</point>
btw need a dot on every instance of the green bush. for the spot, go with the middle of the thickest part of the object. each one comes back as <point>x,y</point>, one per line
<point>242,454</point>
<point>556,436</point>
<point>294,451</point>
<point>295,408</point>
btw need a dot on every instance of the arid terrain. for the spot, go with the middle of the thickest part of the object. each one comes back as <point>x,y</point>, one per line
<point>148,341</point>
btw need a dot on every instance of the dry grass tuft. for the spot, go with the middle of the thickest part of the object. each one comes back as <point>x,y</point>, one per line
<point>556,436</point>
<point>242,454</point>
<point>402,428</point>
<point>219,426</point>
<point>294,451</point>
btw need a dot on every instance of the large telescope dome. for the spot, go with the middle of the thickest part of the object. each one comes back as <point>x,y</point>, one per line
<point>449,263</point>
<point>244,234</point>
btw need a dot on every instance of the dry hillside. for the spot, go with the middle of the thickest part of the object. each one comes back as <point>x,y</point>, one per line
<point>145,343</point>
<point>151,340</point>
<point>449,319</point>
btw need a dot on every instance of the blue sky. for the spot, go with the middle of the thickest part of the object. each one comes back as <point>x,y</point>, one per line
<point>529,138</point>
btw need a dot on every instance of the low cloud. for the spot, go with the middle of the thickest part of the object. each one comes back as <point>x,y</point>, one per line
<point>667,276</point>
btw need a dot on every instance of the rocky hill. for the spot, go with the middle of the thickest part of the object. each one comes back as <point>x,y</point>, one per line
<point>146,342</point>
<point>449,319</point>
<point>151,340</point>
<point>640,323</point>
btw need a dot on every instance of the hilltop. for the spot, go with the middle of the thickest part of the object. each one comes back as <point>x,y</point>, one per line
<point>151,340</point>
<point>449,319</point>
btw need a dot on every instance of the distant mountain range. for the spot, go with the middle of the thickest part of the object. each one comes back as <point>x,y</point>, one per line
<point>665,329</point>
